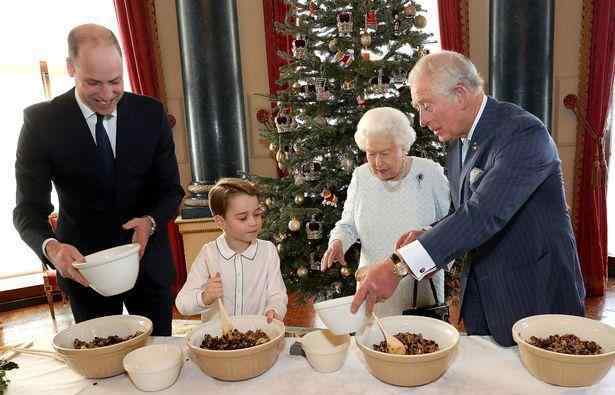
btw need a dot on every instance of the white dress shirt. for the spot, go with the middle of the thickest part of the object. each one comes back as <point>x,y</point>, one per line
<point>110,124</point>
<point>414,254</point>
<point>251,281</point>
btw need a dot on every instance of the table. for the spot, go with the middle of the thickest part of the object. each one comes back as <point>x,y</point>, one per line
<point>481,367</point>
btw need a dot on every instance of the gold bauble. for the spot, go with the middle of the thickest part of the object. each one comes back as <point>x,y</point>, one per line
<point>299,199</point>
<point>269,202</point>
<point>420,21</point>
<point>410,9</point>
<point>333,45</point>
<point>302,271</point>
<point>345,271</point>
<point>273,147</point>
<point>294,225</point>
<point>280,248</point>
<point>366,40</point>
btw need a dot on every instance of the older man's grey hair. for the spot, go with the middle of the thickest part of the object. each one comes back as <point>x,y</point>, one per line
<point>385,122</point>
<point>447,69</point>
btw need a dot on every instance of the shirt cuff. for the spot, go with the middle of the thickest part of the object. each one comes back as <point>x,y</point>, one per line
<point>45,246</point>
<point>418,260</point>
<point>199,300</point>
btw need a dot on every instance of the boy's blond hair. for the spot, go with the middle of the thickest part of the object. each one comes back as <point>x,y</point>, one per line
<point>225,188</point>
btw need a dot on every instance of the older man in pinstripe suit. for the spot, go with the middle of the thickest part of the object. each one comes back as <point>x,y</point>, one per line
<point>510,218</point>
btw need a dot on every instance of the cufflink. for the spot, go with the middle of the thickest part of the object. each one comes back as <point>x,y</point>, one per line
<point>422,270</point>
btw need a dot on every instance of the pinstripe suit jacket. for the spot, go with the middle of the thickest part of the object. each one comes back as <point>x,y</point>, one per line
<point>513,216</point>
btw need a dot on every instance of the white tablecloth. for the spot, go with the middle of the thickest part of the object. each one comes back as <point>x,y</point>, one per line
<point>481,367</point>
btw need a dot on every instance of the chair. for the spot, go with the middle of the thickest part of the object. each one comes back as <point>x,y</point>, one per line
<point>50,279</point>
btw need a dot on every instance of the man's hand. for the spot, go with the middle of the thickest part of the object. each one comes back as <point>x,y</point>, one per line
<point>271,315</point>
<point>408,238</point>
<point>62,256</point>
<point>378,285</point>
<point>213,290</point>
<point>142,228</point>
<point>335,253</point>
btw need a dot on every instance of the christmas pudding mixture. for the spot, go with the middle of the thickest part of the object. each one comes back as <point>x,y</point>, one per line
<point>415,344</point>
<point>566,344</point>
<point>235,340</point>
<point>103,341</point>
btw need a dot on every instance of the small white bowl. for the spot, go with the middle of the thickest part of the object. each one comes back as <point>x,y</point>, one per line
<point>336,315</point>
<point>325,351</point>
<point>154,367</point>
<point>112,271</point>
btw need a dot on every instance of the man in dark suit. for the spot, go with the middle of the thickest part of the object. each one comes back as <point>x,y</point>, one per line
<point>111,158</point>
<point>510,219</point>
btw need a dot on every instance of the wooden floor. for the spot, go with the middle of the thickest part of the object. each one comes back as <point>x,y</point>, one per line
<point>35,323</point>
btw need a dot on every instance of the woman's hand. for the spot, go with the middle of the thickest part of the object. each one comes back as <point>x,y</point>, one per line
<point>271,315</point>
<point>335,253</point>
<point>213,289</point>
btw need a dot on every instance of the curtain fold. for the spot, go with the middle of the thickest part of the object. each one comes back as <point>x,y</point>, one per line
<point>454,25</point>
<point>275,11</point>
<point>139,38</point>
<point>595,89</point>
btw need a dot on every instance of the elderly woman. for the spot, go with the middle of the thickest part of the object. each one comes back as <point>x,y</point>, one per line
<point>387,196</point>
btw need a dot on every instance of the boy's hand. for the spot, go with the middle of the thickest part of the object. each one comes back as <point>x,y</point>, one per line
<point>271,314</point>
<point>213,289</point>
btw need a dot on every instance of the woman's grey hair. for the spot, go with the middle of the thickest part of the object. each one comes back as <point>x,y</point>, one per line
<point>385,122</point>
<point>447,69</point>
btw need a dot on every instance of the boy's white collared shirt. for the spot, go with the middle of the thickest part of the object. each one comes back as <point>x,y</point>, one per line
<point>251,281</point>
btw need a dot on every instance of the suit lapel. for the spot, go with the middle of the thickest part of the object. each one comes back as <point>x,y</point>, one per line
<point>122,143</point>
<point>454,171</point>
<point>77,130</point>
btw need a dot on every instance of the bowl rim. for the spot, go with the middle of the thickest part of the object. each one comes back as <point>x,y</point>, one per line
<point>104,349</point>
<point>129,249</point>
<point>336,349</point>
<point>519,339</point>
<point>170,363</point>
<point>411,358</point>
<point>335,302</point>
<point>240,351</point>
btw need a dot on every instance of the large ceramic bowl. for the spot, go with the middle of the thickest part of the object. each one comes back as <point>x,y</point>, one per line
<point>112,271</point>
<point>564,369</point>
<point>409,370</point>
<point>336,315</point>
<point>105,361</point>
<point>236,365</point>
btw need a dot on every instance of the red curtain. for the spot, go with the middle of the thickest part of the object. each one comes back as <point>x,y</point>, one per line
<point>595,88</point>
<point>138,34</point>
<point>454,27</point>
<point>275,11</point>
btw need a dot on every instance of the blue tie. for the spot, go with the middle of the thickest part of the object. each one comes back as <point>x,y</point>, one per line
<point>105,152</point>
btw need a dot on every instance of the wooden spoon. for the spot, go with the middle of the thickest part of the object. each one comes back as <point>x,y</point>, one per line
<point>394,345</point>
<point>227,326</point>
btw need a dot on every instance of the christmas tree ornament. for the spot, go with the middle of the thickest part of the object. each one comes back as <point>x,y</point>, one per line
<point>322,91</point>
<point>278,237</point>
<point>312,8</point>
<point>283,122</point>
<point>281,156</point>
<point>302,272</point>
<point>269,202</point>
<point>273,147</point>
<point>299,199</point>
<point>299,48</point>
<point>410,9</point>
<point>311,171</point>
<point>282,166</point>
<point>361,101</point>
<point>396,23</point>
<point>281,248</point>
<point>420,21</point>
<point>345,271</point>
<point>366,39</point>
<point>262,116</point>
<point>348,85</point>
<point>337,287</point>
<point>421,51</point>
<point>299,178</point>
<point>399,76</point>
<point>294,225</point>
<point>343,58</point>
<point>295,87</point>
<point>347,164</point>
<point>380,84</point>
<point>329,198</point>
<point>308,91</point>
<point>313,229</point>
<point>344,22</point>
<point>365,55</point>
<point>371,20</point>
<point>333,45</point>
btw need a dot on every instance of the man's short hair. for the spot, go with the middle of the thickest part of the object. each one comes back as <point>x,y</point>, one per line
<point>90,34</point>
<point>226,188</point>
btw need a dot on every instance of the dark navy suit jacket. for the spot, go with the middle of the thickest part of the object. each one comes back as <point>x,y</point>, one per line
<point>510,212</point>
<point>56,145</point>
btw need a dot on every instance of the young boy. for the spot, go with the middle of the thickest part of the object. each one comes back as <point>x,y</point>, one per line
<point>239,268</point>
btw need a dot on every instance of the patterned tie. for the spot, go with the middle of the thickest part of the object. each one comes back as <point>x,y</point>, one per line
<point>105,152</point>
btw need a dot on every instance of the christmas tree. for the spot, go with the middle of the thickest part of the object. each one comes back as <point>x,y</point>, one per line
<point>347,56</point>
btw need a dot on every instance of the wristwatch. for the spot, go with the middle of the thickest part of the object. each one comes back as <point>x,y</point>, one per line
<point>153,222</point>
<point>399,266</point>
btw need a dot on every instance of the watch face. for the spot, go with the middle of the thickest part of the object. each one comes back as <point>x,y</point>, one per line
<point>402,269</point>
